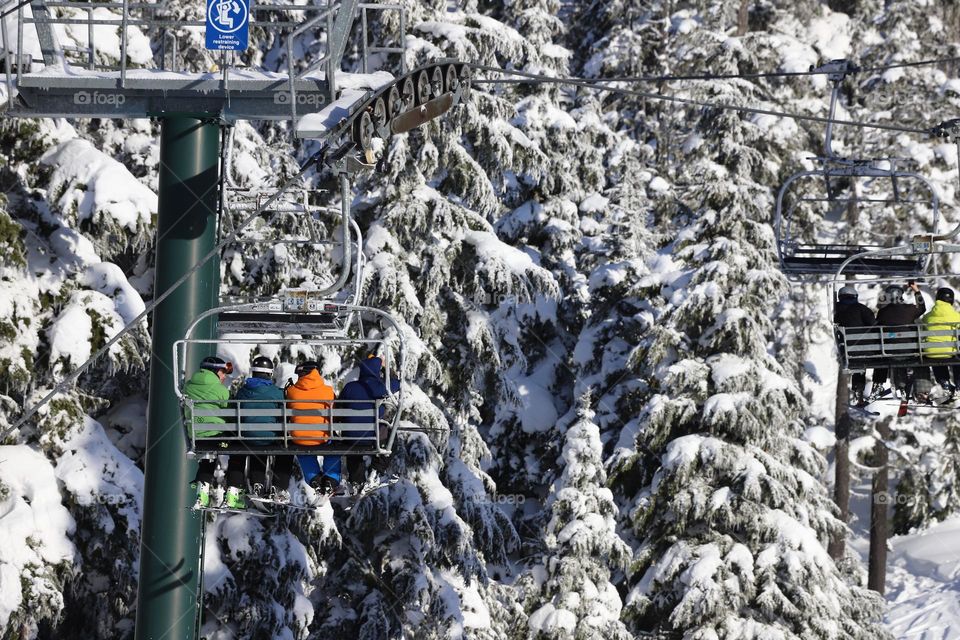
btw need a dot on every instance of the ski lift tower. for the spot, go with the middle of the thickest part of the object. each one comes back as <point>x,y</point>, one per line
<point>77,59</point>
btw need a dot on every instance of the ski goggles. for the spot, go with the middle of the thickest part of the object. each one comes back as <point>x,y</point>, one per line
<point>226,367</point>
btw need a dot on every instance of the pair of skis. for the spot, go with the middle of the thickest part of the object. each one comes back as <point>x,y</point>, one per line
<point>267,508</point>
<point>950,402</point>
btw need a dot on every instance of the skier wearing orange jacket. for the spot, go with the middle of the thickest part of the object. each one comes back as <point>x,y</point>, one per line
<point>311,392</point>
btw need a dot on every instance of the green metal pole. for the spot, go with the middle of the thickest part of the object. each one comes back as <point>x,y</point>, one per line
<point>186,223</point>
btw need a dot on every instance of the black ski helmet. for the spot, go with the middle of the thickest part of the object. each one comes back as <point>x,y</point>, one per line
<point>945,294</point>
<point>215,364</point>
<point>893,294</point>
<point>261,367</point>
<point>847,292</point>
<point>306,367</point>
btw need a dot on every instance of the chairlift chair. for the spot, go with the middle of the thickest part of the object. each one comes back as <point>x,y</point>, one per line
<point>849,207</point>
<point>305,321</point>
<point>843,209</point>
<point>878,346</point>
<point>298,229</point>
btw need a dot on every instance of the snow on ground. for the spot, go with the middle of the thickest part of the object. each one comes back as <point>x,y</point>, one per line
<point>923,583</point>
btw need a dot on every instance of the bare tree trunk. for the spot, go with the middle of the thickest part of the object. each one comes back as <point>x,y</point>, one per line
<point>743,18</point>
<point>841,485</point>
<point>879,527</point>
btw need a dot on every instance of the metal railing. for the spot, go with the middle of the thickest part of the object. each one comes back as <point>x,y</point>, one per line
<point>237,425</point>
<point>324,60</point>
<point>141,15</point>
<point>400,48</point>
<point>336,30</point>
<point>899,346</point>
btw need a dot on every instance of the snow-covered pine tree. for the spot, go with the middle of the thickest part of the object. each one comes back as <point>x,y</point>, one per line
<point>732,517</point>
<point>416,555</point>
<point>929,461</point>
<point>74,220</point>
<point>568,592</point>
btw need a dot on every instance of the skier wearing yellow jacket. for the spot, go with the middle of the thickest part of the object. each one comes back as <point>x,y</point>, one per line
<point>942,317</point>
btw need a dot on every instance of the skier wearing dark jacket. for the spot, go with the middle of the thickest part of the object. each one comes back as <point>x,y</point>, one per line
<point>894,312</point>
<point>261,393</point>
<point>850,313</point>
<point>368,387</point>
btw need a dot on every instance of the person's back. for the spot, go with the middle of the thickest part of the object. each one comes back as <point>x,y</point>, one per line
<point>895,312</point>
<point>306,392</point>
<point>942,317</point>
<point>849,312</point>
<point>899,314</point>
<point>303,395</point>
<point>368,386</point>
<point>261,390</point>
<point>206,385</point>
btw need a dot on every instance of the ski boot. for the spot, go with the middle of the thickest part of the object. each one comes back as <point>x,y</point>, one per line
<point>879,392</point>
<point>280,496</point>
<point>203,494</point>
<point>325,485</point>
<point>858,400</point>
<point>234,499</point>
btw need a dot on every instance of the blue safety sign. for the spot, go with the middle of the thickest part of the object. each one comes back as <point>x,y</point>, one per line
<point>228,25</point>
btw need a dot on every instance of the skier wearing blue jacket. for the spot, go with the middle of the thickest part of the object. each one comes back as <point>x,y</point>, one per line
<point>368,386</point>
<point>259,388</point>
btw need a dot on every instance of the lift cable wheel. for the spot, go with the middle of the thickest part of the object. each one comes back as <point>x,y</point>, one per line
<point>413,99</point>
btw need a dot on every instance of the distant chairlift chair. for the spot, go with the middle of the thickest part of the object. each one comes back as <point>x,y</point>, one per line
<point>848,207</point>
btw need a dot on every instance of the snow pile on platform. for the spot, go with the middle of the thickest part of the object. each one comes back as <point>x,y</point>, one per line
<point>354,87</point>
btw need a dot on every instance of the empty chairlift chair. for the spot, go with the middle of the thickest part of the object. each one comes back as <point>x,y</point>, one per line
<point>848,206</point>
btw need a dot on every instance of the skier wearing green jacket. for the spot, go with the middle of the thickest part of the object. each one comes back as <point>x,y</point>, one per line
<point>208,384</point>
